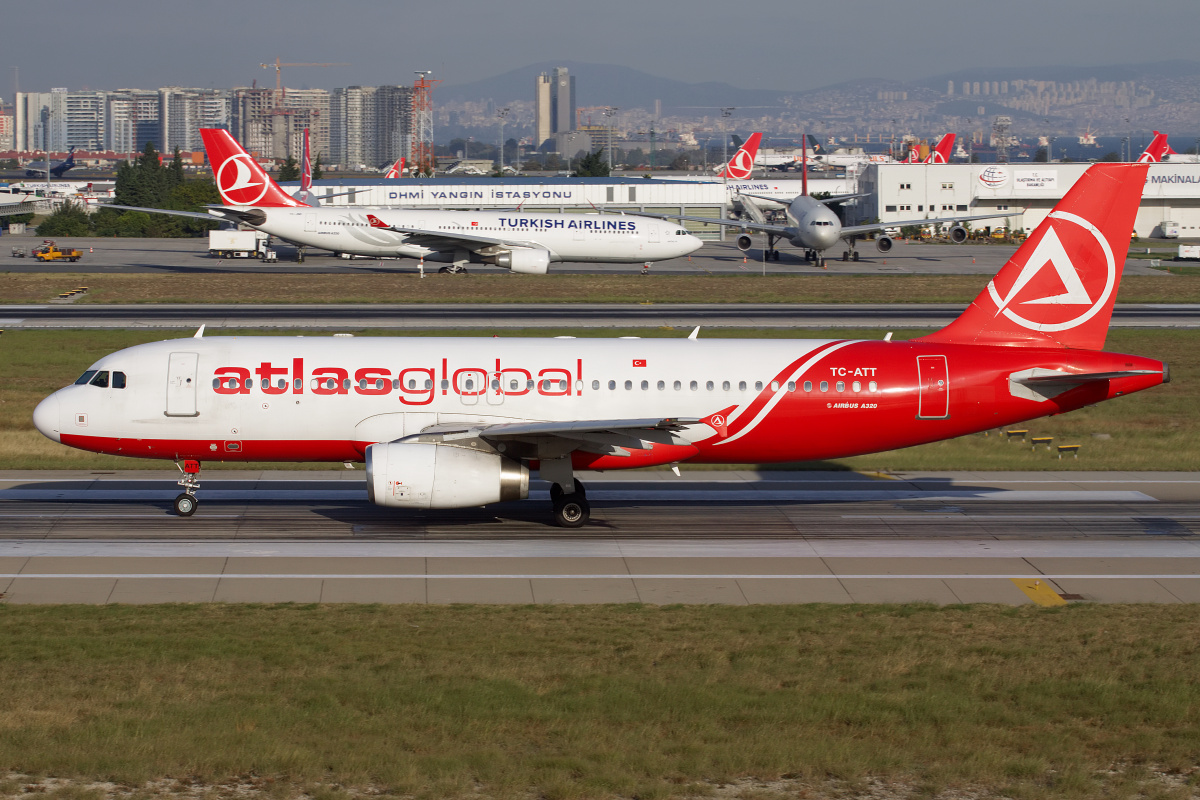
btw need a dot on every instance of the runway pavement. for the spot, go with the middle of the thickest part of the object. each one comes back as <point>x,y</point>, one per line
<point>500,316</point>
<point>708,537</point>
<point>190,256</point>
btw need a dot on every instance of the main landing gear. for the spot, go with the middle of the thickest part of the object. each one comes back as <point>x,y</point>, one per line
<point>771,254</point>
<point>185,504</point>
<point>570,510</point>
<point>567,495</point>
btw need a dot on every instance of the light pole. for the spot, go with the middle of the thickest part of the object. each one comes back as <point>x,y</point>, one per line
<point>502,113</point>
<point>726,113</point>
<point>610,112</point>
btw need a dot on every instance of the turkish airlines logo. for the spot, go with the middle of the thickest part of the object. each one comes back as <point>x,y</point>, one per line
<point>234,181</point>
<point>937,158</point>
<point>741,166</point>
<point>1063,296</point>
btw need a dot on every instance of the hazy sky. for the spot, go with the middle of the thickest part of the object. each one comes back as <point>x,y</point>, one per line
<point>770,44</point>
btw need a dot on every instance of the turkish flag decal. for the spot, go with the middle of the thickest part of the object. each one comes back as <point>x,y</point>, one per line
<point>639,362</point>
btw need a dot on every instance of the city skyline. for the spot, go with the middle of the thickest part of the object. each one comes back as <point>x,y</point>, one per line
<point>224,43</point>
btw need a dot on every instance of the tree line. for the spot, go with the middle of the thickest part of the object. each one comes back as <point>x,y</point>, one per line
<point>146,182</point>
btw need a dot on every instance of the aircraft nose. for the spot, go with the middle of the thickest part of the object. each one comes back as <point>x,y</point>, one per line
<point>46,417</point>
<point>691,244</point>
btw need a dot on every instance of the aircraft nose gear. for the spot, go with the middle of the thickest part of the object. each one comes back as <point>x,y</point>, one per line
<point>185,504</point>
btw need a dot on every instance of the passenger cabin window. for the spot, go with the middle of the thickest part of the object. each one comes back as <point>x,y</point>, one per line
<point>101,379</point>
<point>86,378</point>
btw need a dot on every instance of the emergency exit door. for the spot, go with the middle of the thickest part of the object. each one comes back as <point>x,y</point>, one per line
<point>181,385</point>
<point>934,399</point>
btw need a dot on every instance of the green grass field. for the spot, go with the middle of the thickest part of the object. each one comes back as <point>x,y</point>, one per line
<point>1152,430</point>
<point>560,288</point>
<point>608,701</point>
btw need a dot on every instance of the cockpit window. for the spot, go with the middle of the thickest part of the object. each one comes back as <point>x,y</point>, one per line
<point>85,377</point>
<point>118,380</point>
<point>101,379</point>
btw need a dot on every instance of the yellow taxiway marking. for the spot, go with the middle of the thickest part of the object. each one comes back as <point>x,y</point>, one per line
<point>1039,592</point>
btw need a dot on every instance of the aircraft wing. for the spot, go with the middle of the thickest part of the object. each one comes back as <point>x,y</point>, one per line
<point>444,240</point>
<point>229,214</point>
<point>787,201</point>
<point>606,436</point>
<point>878,226</point>
<point>779,230</point>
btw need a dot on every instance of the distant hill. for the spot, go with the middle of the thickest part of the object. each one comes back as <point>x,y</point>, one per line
<point>610,85</point>
<point>1147,73</point>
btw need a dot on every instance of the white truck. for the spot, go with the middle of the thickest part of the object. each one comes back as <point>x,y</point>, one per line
<point>237,244</point>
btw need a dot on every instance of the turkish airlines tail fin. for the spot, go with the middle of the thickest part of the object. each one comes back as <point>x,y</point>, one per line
<point>1059,287</point>
<point>741,166</point>
<point>240,180</point>
<point>941,153</point>
<point>397,169</point>
<point>1155,151</point>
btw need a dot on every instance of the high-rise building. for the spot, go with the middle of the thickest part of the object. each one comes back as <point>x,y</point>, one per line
<point>541,102</point>
<point>131,120</point>
<point>183,112</point>
<point>41,120</point>
<point>7,127</point>
<point>562,100</point>
<point>370,125</point>
<point>253,124</point>
<point>86,119</point>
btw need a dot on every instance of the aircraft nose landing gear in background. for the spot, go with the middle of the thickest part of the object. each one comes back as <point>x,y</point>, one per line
<point>185,504</point>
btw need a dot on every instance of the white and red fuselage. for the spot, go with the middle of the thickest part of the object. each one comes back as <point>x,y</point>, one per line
<point>328,399</point>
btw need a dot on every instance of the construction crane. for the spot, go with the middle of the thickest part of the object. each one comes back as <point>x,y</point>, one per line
<point>279,65</point>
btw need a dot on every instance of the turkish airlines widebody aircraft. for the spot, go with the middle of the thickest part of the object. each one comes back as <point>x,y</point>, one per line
<point>454,422</point>
<point>519,241</point>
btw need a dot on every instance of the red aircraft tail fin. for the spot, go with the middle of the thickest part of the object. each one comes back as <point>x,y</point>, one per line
<point>1155,151</point>
<point>741,166</point>
<point>240,180</point>
<point>942,152</point>
<point>1059,287</point>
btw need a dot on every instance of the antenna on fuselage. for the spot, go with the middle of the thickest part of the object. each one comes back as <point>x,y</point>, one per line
<point>199,334</point>
<point>695,332</point>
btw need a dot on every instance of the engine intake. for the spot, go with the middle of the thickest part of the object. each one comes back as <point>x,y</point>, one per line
<point>532,262</point>
<point>431,475</point>
<point>958,234</point>
<point>744,242</point>
<point>884,243</point>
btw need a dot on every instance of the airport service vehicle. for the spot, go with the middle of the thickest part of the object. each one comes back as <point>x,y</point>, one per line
<point>460,422</point>
<point>49,251</point>
<point>519,241</point>
<point>236,244</point>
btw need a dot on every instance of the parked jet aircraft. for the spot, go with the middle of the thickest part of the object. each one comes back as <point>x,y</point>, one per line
<point>37,169</point>
<point>397,169</point>
<point>453,422</point>
<point>813,225</point>
<point>741,166</point>
<point>515,240</point>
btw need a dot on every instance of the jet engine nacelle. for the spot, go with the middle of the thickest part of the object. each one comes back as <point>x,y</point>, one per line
<point>884,243</point>
<point>744,242</point>
<point>431,475</point>
<point>532,262</point>
<point>958,234</point>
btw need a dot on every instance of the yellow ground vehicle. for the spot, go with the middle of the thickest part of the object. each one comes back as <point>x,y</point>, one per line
<point>49,252</point>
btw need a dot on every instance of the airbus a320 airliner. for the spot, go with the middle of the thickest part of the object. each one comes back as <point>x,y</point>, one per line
<point>452,422</point>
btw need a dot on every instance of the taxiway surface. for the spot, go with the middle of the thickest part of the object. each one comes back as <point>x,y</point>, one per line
<point>709,537</point>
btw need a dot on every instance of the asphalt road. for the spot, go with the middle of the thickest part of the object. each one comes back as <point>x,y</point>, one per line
<point>460,316</point>
<point>190,256</point>
<point>710,537</point>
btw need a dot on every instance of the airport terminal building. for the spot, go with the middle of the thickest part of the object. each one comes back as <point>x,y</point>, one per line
<point>1025,193</point>
<point>573,195</point>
